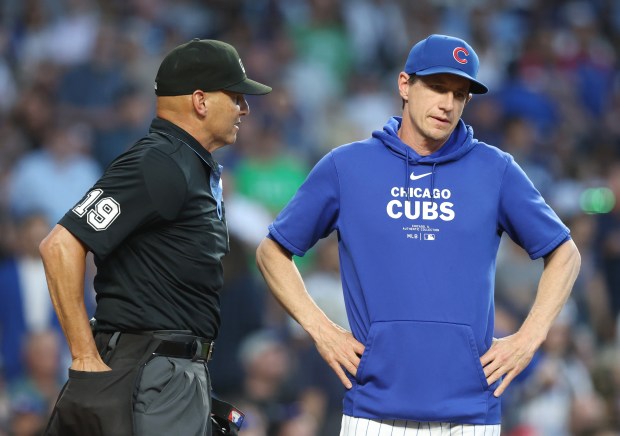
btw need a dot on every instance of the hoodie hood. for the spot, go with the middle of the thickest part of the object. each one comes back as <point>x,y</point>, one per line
<point>460,142</point>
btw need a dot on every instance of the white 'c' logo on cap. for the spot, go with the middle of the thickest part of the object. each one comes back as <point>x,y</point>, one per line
<point>457,52</point>
<point>241,63</point>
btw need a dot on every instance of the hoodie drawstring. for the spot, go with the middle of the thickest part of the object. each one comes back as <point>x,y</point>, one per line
<point>407,178</point>
<point>433,182</point>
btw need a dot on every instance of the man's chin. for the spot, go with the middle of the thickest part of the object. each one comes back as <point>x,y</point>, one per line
<point>231,139</point>
<point>440,136</point>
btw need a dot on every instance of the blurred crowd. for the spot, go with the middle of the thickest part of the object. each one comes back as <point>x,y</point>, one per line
<point>76,89</point>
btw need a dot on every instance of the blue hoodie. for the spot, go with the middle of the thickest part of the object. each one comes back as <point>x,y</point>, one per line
<point>418,238</point>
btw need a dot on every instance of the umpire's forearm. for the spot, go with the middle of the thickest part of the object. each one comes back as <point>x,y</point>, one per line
<point>64,260</point>
<point>561,270</point>
<point>285,282</point>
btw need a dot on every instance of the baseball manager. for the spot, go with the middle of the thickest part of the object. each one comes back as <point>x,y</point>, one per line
<point>419,209</point>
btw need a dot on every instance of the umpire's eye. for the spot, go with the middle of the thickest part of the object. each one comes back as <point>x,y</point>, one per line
<point>238,99</point>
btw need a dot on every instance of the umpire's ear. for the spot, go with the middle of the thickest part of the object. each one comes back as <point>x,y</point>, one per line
<point>199,101</point>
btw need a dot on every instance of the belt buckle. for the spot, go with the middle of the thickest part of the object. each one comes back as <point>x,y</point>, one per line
<point>210,352</point>
<point>198,352</point>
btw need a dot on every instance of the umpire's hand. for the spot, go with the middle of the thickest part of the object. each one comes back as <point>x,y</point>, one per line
<point>89,364</point>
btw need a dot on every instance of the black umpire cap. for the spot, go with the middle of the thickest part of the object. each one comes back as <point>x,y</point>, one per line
<point>204,64</point>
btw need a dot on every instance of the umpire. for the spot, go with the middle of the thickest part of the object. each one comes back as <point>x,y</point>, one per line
<point>155,223</point>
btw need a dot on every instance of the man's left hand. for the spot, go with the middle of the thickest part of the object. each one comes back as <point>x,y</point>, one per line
<point>506,358</point>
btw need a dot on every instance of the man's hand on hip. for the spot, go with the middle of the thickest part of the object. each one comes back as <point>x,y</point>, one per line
<point>89,364</point>
<point>506,358</point>
<point>340,350</point>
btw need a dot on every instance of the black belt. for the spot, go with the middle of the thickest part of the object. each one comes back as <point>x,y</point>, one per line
<point>196,349</point>
<point>173,343</point>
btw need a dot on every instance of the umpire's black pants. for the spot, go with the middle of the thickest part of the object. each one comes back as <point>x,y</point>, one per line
<point>142,395</point>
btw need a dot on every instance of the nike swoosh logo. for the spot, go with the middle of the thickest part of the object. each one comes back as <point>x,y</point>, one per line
<point>414,177</point>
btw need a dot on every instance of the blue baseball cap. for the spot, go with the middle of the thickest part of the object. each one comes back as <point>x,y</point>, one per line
<point>445,54</point>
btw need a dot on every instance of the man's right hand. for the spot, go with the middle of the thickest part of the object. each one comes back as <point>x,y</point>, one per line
<point>339,349</point>
<point>337,346</point>
<point>64,258</point>
<point>89,364</point>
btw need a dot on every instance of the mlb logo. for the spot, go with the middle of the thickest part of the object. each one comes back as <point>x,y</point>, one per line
<point>236,417</point>
<point>429,237</point>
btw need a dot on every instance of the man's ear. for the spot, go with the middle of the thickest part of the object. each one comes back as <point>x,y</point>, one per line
<point>199,101</point>
<point>403,85</point>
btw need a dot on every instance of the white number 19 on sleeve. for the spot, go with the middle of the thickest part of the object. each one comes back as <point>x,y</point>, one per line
<point>102,214</point>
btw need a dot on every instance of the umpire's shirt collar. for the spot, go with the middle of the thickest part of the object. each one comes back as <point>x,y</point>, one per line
<point>165,127</point>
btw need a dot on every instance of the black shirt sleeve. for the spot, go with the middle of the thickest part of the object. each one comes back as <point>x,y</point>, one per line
<point>143,187</point>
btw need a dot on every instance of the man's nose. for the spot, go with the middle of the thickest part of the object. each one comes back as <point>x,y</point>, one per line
<point>244,106</point>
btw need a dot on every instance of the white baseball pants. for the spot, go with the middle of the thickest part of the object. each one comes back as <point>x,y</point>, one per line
<point>389,427</point>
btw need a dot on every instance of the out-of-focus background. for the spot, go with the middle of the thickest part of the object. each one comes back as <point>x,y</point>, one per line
<point>76,89</point>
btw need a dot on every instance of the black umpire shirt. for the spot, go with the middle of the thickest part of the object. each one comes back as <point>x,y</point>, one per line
<point>155,223</point>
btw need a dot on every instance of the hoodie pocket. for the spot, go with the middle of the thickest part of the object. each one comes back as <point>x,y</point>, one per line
<point>427,371</point>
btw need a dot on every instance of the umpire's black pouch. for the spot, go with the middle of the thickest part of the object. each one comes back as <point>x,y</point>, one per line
<point>226,419</point>
<point>100,403</point>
